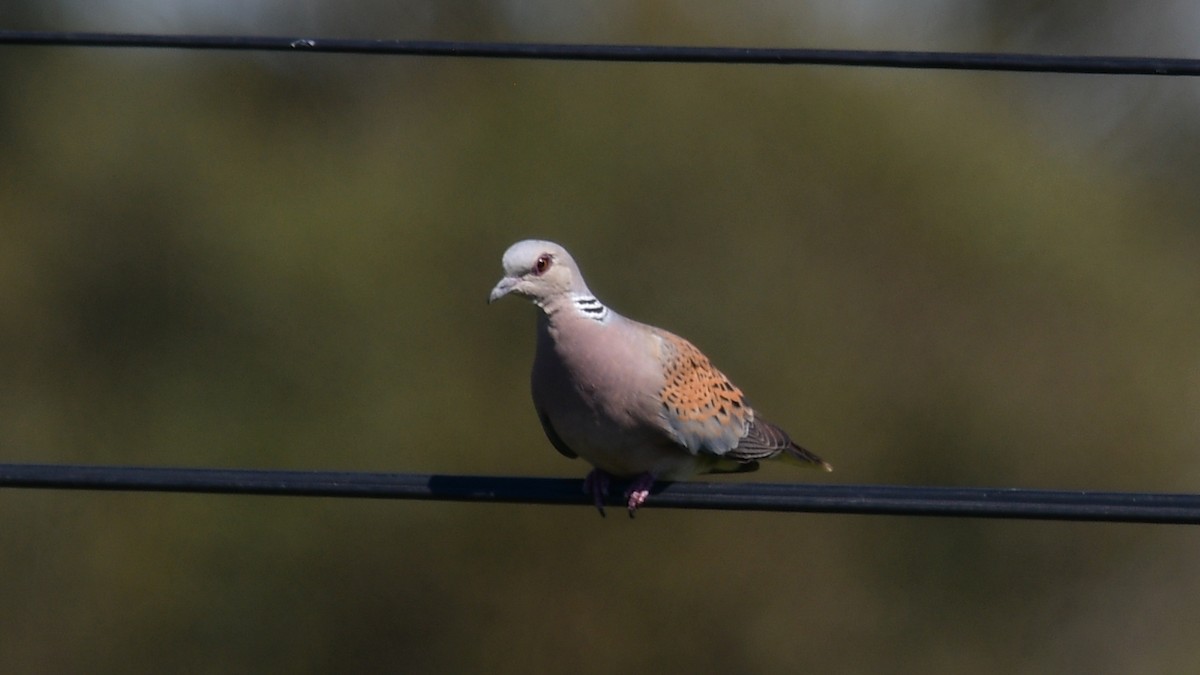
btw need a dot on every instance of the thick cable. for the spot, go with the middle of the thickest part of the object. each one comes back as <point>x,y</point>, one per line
<point>966,502</point>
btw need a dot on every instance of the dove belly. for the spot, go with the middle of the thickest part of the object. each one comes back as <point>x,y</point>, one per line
<point>597,440</point>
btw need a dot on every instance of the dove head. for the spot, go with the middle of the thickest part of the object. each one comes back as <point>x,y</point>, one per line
<point>540,271</point>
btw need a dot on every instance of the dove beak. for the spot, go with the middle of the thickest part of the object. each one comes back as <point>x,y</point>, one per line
<point>506,285</point>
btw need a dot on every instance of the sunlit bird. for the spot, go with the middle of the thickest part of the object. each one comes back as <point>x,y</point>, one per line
<point>635,401</point>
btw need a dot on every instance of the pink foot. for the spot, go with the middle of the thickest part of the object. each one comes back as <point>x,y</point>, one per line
<point>639,490</point>
<point>596,485</point>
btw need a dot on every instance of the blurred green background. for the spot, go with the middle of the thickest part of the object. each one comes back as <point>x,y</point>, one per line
<point>281,261</point>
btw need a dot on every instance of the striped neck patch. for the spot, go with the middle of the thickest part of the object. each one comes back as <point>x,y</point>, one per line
<point>590,307</point>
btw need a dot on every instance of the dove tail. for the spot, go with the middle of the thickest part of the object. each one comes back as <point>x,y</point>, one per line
<point>794,454</point>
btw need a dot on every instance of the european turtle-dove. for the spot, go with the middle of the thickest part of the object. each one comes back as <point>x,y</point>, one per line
<point>633,400</point>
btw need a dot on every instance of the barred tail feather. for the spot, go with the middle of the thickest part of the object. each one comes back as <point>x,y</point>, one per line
<point>794,454</point>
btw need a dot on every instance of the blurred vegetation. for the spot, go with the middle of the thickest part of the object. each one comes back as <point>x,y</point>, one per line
<point>253,260</point>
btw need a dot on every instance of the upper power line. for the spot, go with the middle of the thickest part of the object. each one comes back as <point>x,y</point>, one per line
<point>1041,63</point>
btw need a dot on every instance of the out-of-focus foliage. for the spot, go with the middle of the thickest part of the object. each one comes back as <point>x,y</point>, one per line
<point>282,260</point>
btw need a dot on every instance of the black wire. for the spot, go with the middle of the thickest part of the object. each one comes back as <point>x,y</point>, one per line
<point>1045,63</point>
<point>1130,507</point>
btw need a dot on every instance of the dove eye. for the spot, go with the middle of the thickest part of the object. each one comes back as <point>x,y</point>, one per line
<point>542,264</point>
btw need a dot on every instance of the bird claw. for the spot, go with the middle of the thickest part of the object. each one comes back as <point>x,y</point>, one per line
<point>596,485</point>
<point>639,490</point>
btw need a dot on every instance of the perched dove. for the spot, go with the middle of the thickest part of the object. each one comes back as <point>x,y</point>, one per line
<point>633,400</point>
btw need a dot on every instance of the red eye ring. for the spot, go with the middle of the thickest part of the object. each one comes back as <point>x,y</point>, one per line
<point>542,264</point>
